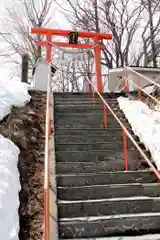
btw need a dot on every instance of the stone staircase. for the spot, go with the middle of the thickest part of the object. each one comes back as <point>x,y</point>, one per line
<point>96,198</point>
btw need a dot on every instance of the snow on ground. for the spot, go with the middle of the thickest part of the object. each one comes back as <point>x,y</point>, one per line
<point>145,124</point>
<point>11,93</point>
<point>149,89</point>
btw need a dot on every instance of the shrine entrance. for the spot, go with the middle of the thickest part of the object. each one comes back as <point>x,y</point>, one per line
<point>73,42</point>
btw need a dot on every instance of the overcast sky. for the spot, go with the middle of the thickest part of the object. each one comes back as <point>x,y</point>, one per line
<point>58,20</point>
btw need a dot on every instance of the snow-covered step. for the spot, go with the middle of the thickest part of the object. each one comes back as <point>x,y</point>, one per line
<point>108,191</point>
<point>108,207</point>
<point>143,237</point>
<point>103,178</point>
<point>108,225</point>
<point>96,197</point>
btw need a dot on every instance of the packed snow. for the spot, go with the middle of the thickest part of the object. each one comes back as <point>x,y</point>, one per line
<point>11,94</point>
<point>145,123</point>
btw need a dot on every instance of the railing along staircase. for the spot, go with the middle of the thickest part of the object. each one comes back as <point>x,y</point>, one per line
<point>103,190</point>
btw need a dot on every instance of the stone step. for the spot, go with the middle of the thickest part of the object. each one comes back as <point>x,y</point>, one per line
<point>95,156</point>
<point>86,114</point>
<point>139,237</point>
<point>88,179</point>
<point>94,167</point>
<point>89,126</point>
<point>83,95</point>
<point>62,139</point>
<point>96,107</point>
<point>84,104</point>
<point>73,209</point>
<point>110,226</point>
<point>80,109</point>
<point>108,191</point>
<point>115,145</point>
<point>83,101</point>
<point>87,121</point>
<point>112,131</point>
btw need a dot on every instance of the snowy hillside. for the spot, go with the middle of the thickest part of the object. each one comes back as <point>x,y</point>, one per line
<point>145,124</point>
<point>11,93</point>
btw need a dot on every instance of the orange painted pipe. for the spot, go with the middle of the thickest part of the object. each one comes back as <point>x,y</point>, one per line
<point>65,33</point>
<point>105,115</point>
<point>46,218</point>
<point>93,97</point>
<point>125,150</point>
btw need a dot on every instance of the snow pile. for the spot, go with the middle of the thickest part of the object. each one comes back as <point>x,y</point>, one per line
<point>149,89</point>
<point>11,93</point>
<point>9,190</point>
<point>145,124</point>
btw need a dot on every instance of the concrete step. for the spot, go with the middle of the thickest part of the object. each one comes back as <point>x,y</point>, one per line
<point>110,226</point>
<point>113,206</point>
<point>83,101</point>
<point>115,145</point>
<point>139,237</point>
<point>83,95</point>
<point>108,191</point>
<point>86,114</point>
<point>95,156</point>
<point>84,104</point>
<point>94,167</point>
<point>112,131</point>
<point>72,125</point>
<point>87,138</point>
<point>80,126</point>
<point>87,121</point>
<point>85,108</point>
<point>88,179</point>
<point>80,109</point>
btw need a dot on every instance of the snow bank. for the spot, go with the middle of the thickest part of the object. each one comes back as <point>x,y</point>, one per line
<point>11,93</point>
<point>9,190</point>
<point>145,124</point>
<point>149,89</point>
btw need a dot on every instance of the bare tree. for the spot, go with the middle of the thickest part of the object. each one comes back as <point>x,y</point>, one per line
<point>20,16</point>
<point>115,16</point>
<point>151,45</point>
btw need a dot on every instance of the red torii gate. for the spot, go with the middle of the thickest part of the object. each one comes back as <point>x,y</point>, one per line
<point>73,44</point>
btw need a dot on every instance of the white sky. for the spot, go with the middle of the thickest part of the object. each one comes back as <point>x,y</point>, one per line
<point>58,20</point>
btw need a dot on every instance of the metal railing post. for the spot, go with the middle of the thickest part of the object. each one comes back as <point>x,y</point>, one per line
<point>105,115</point>
<point>93,97</point>
<point>124,136</point>
<point>126,133</point>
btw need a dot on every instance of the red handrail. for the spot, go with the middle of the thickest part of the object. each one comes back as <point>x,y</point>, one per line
<point>140,90</point>
<point>46,163</point>
<point>124,129</point>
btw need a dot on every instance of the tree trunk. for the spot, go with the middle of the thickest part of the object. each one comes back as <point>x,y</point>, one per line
<point>154,57</point>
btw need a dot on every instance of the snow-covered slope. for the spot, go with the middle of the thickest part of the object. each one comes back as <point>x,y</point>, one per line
<point>11,93</point>
<point>145,124</point>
